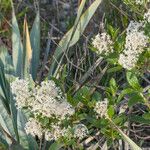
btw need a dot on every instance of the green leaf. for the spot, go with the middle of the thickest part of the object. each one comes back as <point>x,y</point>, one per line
<point>96,96</point>
<point>4,87</point>
<point>85,18</point>
<point>17,49</point>
<point>133,81</point>
<point>56,146</point>
<point>6,59</point>
<point>113,86</point>
<point>139,119</point>
<point>65,42</point>
<point>14,116</point>
<point>136,98</point>
<point>6,123</point>
<point>3,142</point>
<point>35,44</point>
<point>27,141</point>
<point>120,119</point>
<point>113,83</point>
<point>123,93</point>
<point>146,116</point>
<point>114,69</point>
<point>111,111</point>
<point>16,146</point>
<point>10,102</point>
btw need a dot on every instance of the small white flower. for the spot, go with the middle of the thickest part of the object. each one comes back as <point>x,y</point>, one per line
<point>48,135</point>
<point>101,108</point>
<point>80,131</point>
<point>34,128</point>
<point>103,43</point>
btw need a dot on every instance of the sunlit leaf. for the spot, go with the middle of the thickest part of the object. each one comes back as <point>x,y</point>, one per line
<point>27,51</point>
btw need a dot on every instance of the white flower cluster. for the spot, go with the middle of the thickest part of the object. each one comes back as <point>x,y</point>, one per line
<point>103,43</point>
<point>55,133</point>
<point>20,90</point>
<point>147,16</point>
<point>46,99</point>
<point>80,131</point>
<point>136,41</point>
<point>34,128</point>
<point>101,108</point>
<point>49,101</point>
<point>140,2</point>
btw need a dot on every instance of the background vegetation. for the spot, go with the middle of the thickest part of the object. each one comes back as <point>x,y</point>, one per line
<point>70,60</point>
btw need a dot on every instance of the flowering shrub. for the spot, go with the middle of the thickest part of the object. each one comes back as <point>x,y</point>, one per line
<point>88,100</point>
<point>45,103</point>
<point>136,42</point>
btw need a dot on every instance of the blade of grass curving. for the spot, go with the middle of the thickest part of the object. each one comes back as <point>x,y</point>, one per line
<point>17,49</point>
<point>6,61</point>
<point>4,89</point>
<point>82,23</point>
<point>10,103</point>
<point>3,140</point>
<point>27,141</point>
<point>27,51</point>
<point>129,141</point>
<point>4,56</point>
<point>6,124</point>
<point>133,145</point>
<point>35,44</point>
<point>67,39</point>
<point>14,116</point>
<point>86,17</point>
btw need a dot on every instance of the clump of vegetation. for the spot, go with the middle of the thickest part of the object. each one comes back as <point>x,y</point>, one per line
<point>95,93</point>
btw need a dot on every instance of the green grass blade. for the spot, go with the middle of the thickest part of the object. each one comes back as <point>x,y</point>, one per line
<point>63,44</point>
<point>3,140</point>
<point>6,60</point>
<point>86,17</point>
<point>132,144</point>
<point>35,44</point>
<point>129,141</point>
<point>4,90</point>
<point>27,141</point>
<point>17,48</point>
<point>10,102</point>
<point>6,122</point>
<point>14,116</point>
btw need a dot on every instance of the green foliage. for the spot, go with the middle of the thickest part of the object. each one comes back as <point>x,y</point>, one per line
<point>73,35</point>
<point>108,80</point>
<point>17,47</point>
<point>35,44</point>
